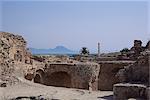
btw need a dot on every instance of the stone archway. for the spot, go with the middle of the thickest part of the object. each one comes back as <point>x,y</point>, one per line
<point>39,76</point>
<point>60,79</point>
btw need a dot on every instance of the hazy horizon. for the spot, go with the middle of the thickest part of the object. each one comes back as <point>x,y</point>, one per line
<point>76,24</point>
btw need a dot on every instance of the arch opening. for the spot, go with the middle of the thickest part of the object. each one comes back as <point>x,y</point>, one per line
<point>59,79</point>
<point>37,78</point>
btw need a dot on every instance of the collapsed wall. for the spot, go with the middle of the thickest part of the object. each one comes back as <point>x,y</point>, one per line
<point>134,79</point>
<point>107,75</point>
<point>137,72</point>
<point>12,50</point>
<point>15,47</point>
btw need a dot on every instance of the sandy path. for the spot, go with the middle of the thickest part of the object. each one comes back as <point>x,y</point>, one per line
<point>29,89</point>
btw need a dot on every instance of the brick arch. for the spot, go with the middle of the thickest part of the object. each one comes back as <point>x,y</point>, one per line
<point>41,71</point>
<point>59,78</point>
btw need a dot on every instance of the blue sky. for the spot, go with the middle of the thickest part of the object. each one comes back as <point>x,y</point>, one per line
<point>74,24</point>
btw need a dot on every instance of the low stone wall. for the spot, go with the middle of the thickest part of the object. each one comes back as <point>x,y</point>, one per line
<point>108,70</point>
<point>126,91</point>
<point>106,58</point>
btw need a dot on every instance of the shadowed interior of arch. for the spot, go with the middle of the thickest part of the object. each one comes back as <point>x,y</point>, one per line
<point>60,79</point>
<point>37,78</point>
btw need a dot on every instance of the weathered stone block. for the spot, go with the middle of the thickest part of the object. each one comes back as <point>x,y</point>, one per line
<point>126,91</point>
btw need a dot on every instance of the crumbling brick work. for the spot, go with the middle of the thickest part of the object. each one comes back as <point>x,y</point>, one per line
<point>16,47</point>
<point>137,75</point>
<point>137,72</point>
<point>12,51</point>
<point>135,51</point>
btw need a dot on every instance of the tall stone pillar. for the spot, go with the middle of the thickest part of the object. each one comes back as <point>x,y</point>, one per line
<point>98,49</point>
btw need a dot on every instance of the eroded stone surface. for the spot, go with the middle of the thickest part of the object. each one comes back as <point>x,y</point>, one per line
<point>14,57</point>
<point>135,74</point>
<point>107,75</point>
<point>75,75</point>
<point>126,91</point>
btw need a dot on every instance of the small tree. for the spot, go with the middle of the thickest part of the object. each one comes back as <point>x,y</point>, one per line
<point>84,51</point>
<point>125,50</point>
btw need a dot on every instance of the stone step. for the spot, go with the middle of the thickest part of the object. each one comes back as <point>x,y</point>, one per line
<point>124,91</point>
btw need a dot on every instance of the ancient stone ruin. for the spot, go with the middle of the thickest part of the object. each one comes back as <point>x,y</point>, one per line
<point>134,79</point>
<point>135,51</point>
<point>73,75</point>
<point>127,75</point>
<point>12,51</point>
<point>107,75</point>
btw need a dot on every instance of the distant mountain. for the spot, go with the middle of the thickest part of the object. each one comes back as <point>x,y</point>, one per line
<point>56,50</point>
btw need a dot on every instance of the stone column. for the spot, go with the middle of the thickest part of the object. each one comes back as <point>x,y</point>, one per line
<point>98,49</point>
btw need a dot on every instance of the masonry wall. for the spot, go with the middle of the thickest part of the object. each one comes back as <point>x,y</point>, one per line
<point>12,51</point>
<point>137,72</point>
<point>16,46</point>
<point>107,75</point>
<point>76,75</point>
<point>134,80</point>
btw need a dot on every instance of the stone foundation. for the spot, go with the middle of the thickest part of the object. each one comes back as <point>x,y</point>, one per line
<point>126,91</point>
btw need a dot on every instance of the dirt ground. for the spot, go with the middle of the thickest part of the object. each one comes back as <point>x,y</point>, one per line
<point>26,90</point>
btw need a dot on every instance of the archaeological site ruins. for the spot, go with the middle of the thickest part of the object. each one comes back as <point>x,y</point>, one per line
<point>126,74</point>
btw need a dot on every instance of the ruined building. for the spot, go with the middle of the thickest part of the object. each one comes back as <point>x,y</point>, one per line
<point>16,45</point>
<point>134,80</point>
<point>12,50</point>
<point>135,51</point>
<point>73,75</point>
<point>128,78</point>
